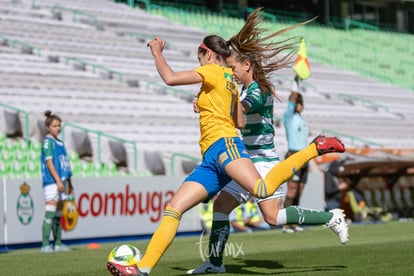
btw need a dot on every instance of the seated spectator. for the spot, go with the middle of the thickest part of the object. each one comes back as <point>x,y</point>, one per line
<point>237,217</point>
<point>334,188</point>
<point>247,218</point>
<point>339,193</point>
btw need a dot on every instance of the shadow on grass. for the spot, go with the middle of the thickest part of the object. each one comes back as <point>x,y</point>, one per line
<point>259,267</point>
<point>266,267</point>
<point>249,267</point>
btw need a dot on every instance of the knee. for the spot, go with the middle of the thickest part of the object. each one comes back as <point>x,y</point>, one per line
<point>173,205</point>
<point>222,206</point>
<point>271,220</point>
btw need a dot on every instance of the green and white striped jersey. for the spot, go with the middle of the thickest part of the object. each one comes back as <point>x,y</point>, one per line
<point>258,134</point>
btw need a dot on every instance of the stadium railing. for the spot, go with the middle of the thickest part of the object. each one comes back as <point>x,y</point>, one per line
<point>95,67</point>
<point>99,135</point>
<point>75,14</point>
<point>365,102</point>
<point>368,59</point>
<point>176,91</point>
<point>24,46</point>
<point>26,152</point>
<point>175,155</point>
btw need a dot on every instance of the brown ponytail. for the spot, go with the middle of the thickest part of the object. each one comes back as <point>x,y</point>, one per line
<point>264,55</point>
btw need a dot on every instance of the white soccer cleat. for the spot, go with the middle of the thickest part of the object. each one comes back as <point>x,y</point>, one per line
<point>338,225</point>
<point>297,228</point>
<point>207,268</point>
<point>287,230</point>
<point>62,248</point>
<point>46,249</point>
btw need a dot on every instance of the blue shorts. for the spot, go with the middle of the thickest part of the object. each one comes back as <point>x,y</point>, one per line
<point>210,173</point>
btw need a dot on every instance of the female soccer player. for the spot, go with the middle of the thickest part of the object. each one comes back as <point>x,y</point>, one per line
<point>56,173</point>
<point>224,154</point>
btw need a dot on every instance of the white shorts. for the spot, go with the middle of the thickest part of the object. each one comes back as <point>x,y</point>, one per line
<point>50,192</point>
<point>242,195</point>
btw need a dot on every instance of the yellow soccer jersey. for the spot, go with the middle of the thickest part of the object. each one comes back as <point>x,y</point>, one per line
<point>217,100</point>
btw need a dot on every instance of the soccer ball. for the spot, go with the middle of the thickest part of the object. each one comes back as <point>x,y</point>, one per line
<point>125,254</point>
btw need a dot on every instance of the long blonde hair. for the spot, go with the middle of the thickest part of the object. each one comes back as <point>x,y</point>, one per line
<point>264,55</point>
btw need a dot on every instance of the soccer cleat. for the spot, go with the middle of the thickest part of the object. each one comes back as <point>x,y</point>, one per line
<point>328,144</point>
<point>46,249</point>
<point>287,230</point>
<point>62,248</point>
<point>297,228</point>
<point>124,270</point>
<point>338,225</point>
<point>207,268</point>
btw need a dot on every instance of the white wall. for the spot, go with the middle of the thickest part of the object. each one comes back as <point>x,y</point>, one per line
<point>138,208</point>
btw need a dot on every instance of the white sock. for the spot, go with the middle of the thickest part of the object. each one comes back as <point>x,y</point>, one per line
<point>281,217</point>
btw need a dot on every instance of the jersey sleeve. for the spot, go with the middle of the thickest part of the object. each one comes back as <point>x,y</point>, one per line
<point>209,76</point>
<point>254,100</point>
<point>47,149</point>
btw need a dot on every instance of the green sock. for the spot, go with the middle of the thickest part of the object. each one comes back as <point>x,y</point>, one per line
<point>220,231</point>
<point>47,227</point>
<point>57,231</point>
<point>298,215</point>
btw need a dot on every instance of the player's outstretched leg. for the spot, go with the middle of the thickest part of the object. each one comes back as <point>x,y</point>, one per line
<point>328,144</point>
<point>338,225</point>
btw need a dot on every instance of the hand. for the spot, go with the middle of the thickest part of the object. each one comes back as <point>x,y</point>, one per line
<point>343,186</point>
<point>60,186</point>
<point>156,45</point>
<point>69,189</point>
<point>195,106</point>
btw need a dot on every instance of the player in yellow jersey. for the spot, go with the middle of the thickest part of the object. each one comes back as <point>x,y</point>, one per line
<point>224,154</point>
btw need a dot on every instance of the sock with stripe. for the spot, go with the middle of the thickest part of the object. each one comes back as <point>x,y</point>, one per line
<point>298,215</point>
<point>283,171</point>
<point>161,239</point>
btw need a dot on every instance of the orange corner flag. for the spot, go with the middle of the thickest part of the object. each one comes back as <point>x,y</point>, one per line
<point>301,65</point>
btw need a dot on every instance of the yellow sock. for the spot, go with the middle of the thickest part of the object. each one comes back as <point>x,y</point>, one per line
<point>161,239</point>
<point>284,171</point>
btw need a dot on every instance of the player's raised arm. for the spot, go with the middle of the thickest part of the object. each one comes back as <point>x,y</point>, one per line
<point>169,76</point>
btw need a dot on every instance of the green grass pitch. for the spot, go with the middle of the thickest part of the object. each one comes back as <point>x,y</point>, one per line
<point>373,249</point>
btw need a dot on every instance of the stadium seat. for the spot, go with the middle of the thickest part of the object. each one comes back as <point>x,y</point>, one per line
<point>33,167</point>
<point>154,162</point>
<point>5,167</point>
<point>7,155</point>
<point>110,168</point>
<point>73,156</point>
<point>21,155</point>
<point>3,138</point>
<point>189,165</point>
<point>155,117</point>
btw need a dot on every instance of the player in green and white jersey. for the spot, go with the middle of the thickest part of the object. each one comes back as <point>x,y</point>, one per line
<point>56,174</point>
